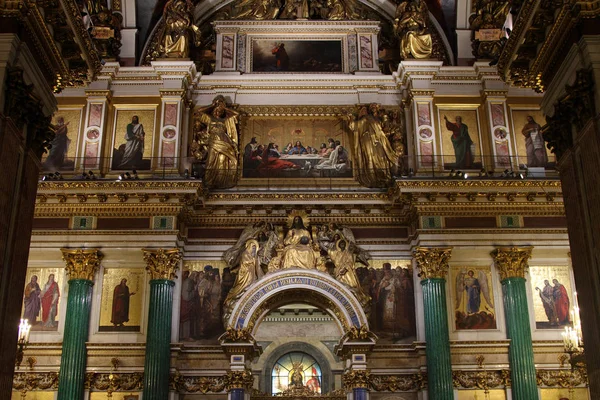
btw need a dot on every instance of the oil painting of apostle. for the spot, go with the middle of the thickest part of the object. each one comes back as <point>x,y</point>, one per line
<point>534,144</point>
<point>473,301</point>
<point>49,296</point>
<point>57,156</point>
<point>130,154</point>
<point>120,305</point>
<point>461,141</point>
<point>31,301</point>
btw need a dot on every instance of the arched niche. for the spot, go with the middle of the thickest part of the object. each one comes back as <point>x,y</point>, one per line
<point>276,354</point>
<point>297,285</point>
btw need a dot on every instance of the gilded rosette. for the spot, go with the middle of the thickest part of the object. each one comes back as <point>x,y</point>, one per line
<point>162,263</point>
<point>239,380</point>
<point>81,263</point>
<point>433,262</point>
<point>511,261</point>
<point>357,379</point>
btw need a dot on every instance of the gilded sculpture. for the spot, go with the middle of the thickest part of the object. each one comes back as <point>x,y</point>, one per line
<point>215,144</point>
<point>333,10</point>
<point>373,152</point>
<point>486,24</point>
<point>179,29</point>
<point>412,28</point>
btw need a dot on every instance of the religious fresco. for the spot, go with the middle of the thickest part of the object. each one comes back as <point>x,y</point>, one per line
<point>296,147</point>
<point>122,299</point>
<point>271,56</point>
<point>42,297</point>
<point>473,298</point>
<point>552,296</point>
<point>390,284</point>
<point>133,139</point>
<point>62,154</point>
<point>531,148</point>
<point>461,142</point>
<point>296,371</point>
<point>565,394</point>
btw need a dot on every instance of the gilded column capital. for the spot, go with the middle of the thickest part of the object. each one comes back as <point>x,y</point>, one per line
<point>162,263</point>
<point>511,261</point>
<point>432,261</point>
<point>81,263</point>
<point>238,380</point>
<point>358,378</point>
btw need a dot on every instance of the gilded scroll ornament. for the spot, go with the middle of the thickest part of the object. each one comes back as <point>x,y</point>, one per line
<point>233,335</point>
<point>396,383</point>
<point>562,378</point>
<point>197,384</point>
<point>354,379</point>
<point>81,263</point>
<point>162,263</point>
<point>29,381</point>
<point>411,27</point>
<point>179,29</point>
<point>114,382</point>
<point>486,24</point>
<point>238,380</point>
<point>433,262</point>
<point>481,379</point>
<point>511,261</point>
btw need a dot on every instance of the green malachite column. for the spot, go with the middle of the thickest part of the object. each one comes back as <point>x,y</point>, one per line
<point>433,264</point>
<point>161,265</point>
<point>81,268</point>
<point>511,263</point>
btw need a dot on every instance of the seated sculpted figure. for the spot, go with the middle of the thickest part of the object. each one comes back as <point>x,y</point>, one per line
<point>411,27</point>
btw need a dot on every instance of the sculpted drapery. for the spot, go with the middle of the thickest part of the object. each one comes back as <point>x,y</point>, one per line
<point>411,27</point>
<point>178,28</point>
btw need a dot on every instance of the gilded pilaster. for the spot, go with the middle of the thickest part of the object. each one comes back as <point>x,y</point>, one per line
<point>161,265</point>
<point>81,266</point>
<point>511,263</point>
<point>433,264</point>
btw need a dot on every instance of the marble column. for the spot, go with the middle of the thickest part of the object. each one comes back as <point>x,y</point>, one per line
<point>433,264</point>
<point>511,263</point>
<point>81,266</point>
<point>161,265</point>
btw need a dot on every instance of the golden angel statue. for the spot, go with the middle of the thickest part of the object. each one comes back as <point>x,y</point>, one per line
<point>373,152</point>
<point>345,272</point>
<point>411,26</point>
<point>216,143</point>
<point>246,275</point>
<point>179,25</point>
<point>258,9</point>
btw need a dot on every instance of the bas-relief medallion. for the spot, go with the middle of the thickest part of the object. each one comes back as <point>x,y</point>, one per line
<point>552,296</point>
<point>42,297</point>
<point>133,139</point>
<point>460,138</point>
<point>473,298</point>
<point>63,153</point>
<point>122,299</point>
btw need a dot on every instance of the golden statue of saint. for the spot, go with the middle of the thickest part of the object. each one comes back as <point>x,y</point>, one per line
<point>411,27</point>
<point>258,9</point>
<point>373,153</point>
<point>246,274</point>
<point>345,273</point>
<point>298,251</point>
<point>221,144</point>
<point>178,26</point>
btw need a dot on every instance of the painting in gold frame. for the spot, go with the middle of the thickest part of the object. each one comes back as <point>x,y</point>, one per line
<point>122,299</point>
<point>63,153</point>
<point>496,394</point>
<point>133,139</point>
<point>552,296</point>
<point>520,121</point>
<point>472,297</point>
<point>295,147</point>
<point>34,395</point>
<point>460,143</point>
<point>565,394</point>
<point>42,298</point>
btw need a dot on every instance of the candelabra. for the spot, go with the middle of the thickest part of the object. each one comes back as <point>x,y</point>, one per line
<point>573,339</point>
<point>23,341</point>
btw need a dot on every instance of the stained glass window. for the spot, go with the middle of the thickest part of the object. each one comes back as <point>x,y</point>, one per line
<point>294,371</point>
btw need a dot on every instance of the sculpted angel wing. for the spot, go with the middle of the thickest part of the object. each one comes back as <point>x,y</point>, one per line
<point>460,288</point>
<point>232,255</point>
<point>347,232</point>
<point>484,285</point>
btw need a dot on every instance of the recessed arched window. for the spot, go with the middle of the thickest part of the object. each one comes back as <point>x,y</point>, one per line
<point>296,370</point>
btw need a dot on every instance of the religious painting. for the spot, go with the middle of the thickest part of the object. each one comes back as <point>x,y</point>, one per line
<point>204,287</point>
<point>34,395</point>
<point>461,143</point>
<point>280,56</point>
<point>296,371</point>
<point>122,299</point>
<point>63,153</point>
<point>473,298</point>
<point>133,139</point>
<point>42,298</point>
<point>552,296</point>
<point>565,394</point>
<point>296,147</point>
<point>390,285</point>
<point>496,394</point>
<point>531,147</point>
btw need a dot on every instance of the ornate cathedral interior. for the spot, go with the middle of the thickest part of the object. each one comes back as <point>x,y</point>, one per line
<point>290,199</point>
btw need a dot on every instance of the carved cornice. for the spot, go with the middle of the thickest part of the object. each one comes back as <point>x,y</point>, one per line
<point>405,184</point>
<point>511,262</point>
<point>296,111</point>
<point>112,186</point>
<point>433,262</point>
<point>161,263</point>
<point>81,263</point>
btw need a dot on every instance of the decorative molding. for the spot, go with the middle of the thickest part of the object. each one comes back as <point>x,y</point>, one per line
<point>562,378</point>
<point>81,263</point>
<point>357,379</point>
<point>29,381</point>
<point>238,380</point>
<point>481,379</point>
<point>197,384</point>
<point>399,383</point>
<point>433,262</point>
<point>114,382</point>
<point>511,262</point>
